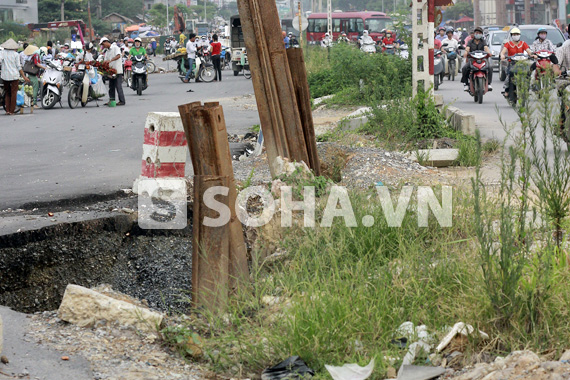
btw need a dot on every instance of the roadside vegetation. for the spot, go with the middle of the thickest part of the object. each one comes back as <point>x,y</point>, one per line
<point>337,294</point>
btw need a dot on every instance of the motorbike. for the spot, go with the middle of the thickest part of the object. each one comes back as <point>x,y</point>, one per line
<point>140,74</point>
<point>368,47</point>
<point>389,49</point>
<point>438,68</point>
<point>518,65</point>
<point>451,62</point>
<point>81,91</point>
<point>201,71</point>
<point>128,71</point>
<point>52,85</point>
<point>543,69</point>
<point>226,57</point>
<point>564,100</point>
<point>478,75</point>
<point>403,51</point>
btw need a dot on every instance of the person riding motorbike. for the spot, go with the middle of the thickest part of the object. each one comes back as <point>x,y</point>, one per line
<point>388,40</point>
<point>343,38</point>
<point>449,40</point>
<point>512,47</point>
<point>293,42</point>
<point>366,39</point>
<point>542,43</point>
<point>441,34</point>
<point>477,43</point>
<point>327,41</point>
<point>137,50</point>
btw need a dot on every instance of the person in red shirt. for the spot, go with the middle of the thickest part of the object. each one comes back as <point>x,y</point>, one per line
<point>388,40</point>
<point>510,48</point>
<point>216,49</point>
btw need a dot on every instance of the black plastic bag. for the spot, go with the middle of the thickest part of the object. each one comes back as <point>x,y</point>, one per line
<point>293,368</point>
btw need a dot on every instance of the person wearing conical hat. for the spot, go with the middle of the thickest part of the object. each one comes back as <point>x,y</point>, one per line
<point>11,72</point>
<point>32,69</point>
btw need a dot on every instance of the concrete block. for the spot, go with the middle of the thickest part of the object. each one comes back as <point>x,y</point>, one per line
<point>438,99</point>
<point>84,307</point>
<point>355,120</point>
<point>461,120</point>
<point>438,158</point>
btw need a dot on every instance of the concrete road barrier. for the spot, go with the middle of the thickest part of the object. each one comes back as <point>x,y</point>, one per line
<point>461,120</point>
<point>438,158</point>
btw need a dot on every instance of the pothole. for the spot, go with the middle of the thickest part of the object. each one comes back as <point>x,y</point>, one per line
<point>151,265</point>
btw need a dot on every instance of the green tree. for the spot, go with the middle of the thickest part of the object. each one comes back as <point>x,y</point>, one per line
<point>50,10</point>
<point>158,15</point>
<point>458,10</point>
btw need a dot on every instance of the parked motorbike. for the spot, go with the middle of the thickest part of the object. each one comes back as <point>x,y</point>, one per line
<point>201,71</point>
<point>438,68</point>
<point>518,65</point>
<point>52,85</point>
<point>226,57</point>
<point>451,62</point>
<point>478,75</point>
<point>81,91</point>
<point>140,74</point>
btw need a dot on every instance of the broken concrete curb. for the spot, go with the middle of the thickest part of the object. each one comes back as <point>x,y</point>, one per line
<point>355,120</point>
<point>438,158</point>
<point>461,120</point>
<point>85,307</point>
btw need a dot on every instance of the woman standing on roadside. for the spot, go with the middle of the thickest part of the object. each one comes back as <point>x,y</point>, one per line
<point>11,72</point>
<point>216,48</point>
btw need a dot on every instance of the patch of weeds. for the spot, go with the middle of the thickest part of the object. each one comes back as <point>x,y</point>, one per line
<point>491,146</point>
<point>299,179</point>
<point>255,128</point>
<point>184,341</point>
<point>423,157</point>
<point>468,155</point>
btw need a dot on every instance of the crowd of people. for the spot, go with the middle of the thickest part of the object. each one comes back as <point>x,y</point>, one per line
<point>27,61</point>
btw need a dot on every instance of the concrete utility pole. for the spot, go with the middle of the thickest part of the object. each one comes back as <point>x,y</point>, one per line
<point>562,11</point>
<point>501,9</point>
<point>62,10</point>
<point>329,18</point>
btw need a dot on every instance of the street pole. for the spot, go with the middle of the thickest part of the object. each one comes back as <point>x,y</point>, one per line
<point>205,14</point>
<point>62,10</point>
<point>91,34</point>
<point>329,18</point>
<point>562,11</point>
<point>167,19</point>
<point>300,26</point>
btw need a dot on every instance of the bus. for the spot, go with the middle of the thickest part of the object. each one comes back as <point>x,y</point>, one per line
<point>202,28</point>
<point>352,23</point>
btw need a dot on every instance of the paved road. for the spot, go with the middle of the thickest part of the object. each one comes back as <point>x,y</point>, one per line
<point>486,114</point>
<point>63,153</point>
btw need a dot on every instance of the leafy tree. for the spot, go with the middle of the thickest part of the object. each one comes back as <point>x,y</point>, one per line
<point>458,10</point>
<point>50,10</point>
<point>158,15</point>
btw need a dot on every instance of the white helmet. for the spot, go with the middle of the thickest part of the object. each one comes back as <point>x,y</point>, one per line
<point>365,33</point>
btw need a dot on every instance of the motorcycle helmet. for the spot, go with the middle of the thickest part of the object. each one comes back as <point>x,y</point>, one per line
<point>131,40</point>
<point>515,31</point>
<point>138,39</point>
<point>541,30</point>
<point>89,46</point>
<point>449,30</point>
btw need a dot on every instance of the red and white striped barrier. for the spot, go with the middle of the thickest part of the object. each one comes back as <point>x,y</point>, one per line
<point>164,149</point>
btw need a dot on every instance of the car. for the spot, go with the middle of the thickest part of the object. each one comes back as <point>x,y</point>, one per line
<point>528,35</point>
<point>495,40</point>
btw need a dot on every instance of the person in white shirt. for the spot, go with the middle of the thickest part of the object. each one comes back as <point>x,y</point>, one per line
<point>113,56</point>
<point>173,45</point>
<point>449,40</point>
<point>191,48</point>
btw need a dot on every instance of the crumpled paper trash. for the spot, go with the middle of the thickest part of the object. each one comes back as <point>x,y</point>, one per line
<point>351,371</point>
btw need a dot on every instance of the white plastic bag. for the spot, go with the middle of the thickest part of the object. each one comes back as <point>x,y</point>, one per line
<point>99,88</point>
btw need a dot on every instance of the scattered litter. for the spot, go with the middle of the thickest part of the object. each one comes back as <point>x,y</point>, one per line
<point>415,349</point>
<point>351,371</point>
<point>459,328</point>
<point>4,359</point>
<point>50,214</point>
<point>413,372</point>
<point>379,183</point>
<point>66,358</point>
<point>293,368</point>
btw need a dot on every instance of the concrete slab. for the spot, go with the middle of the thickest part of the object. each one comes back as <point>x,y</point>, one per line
<point>412,372</point>
<point>31,361</point>
<point>438,158</point>
<point>355,120</point>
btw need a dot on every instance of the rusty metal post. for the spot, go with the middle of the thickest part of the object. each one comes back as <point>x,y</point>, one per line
<point>207,138</point>
<point>210,249</point>
<point>274,92</point>
<point>301,85</point>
